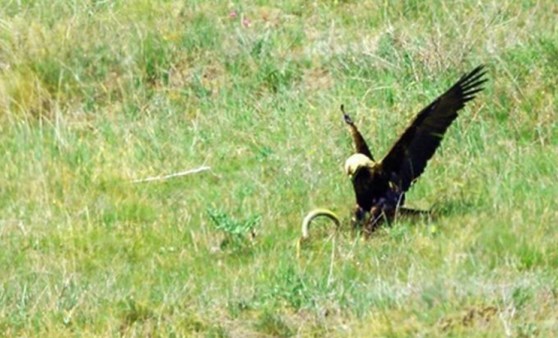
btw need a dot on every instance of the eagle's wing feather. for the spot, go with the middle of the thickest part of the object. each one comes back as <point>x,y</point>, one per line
<point>358,141</point>
<point>409,155</point>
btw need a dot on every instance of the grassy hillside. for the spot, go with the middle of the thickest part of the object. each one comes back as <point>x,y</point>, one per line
<point>96,94</point>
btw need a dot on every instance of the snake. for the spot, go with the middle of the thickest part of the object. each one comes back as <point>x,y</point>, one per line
<point>313,214</point>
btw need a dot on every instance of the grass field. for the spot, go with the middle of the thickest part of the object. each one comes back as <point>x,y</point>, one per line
<point>95,94</point>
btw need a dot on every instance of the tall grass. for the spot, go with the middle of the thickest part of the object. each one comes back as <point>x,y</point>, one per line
<point>96,94</point>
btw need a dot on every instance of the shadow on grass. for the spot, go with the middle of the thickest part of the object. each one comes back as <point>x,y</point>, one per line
<point>452,207</point>
<point>418,216</point>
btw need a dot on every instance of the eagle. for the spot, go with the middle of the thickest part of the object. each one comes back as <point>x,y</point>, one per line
<point>380,187</point>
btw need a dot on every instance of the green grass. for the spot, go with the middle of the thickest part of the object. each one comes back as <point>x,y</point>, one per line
<point>96,94</point>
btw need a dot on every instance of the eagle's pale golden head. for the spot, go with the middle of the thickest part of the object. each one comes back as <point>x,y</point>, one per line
<point>356,162</point>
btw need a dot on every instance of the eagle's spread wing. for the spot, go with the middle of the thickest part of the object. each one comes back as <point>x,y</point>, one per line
<point>359,142</point>
<point>408,157</point>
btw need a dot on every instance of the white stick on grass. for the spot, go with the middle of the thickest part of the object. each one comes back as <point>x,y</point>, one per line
<point>173,175</point>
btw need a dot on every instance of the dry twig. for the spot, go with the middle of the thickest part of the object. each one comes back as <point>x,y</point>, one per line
<point>173,175</point>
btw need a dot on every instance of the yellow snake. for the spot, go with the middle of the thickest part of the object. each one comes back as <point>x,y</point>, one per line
<point>317,213</point>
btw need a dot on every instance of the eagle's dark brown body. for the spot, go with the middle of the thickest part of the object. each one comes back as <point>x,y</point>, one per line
<point>380,186</point>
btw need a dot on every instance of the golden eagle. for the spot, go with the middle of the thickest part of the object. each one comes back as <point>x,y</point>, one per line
<point>380,186</point>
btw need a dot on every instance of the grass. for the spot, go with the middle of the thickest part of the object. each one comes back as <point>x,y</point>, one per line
<point>96,94</point>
